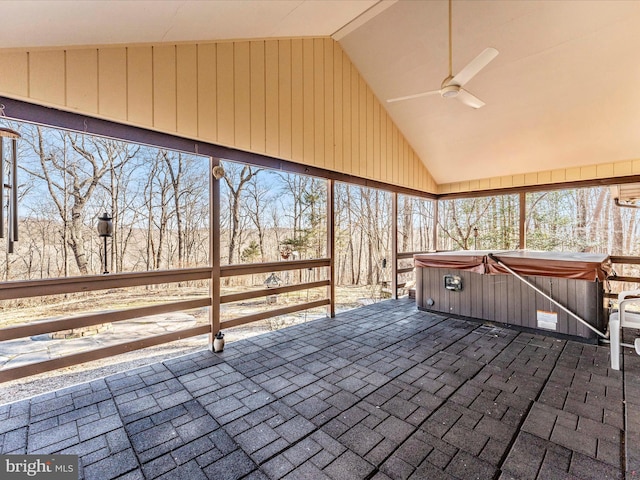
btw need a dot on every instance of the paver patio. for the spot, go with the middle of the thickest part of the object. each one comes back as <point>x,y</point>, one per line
<point>380,392</point>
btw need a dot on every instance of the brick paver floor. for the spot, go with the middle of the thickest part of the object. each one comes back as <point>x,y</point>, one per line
<point>382,392</point>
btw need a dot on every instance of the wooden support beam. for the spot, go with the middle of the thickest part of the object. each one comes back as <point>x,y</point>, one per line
<point>98,353</point>
<point>435,225</point>
<point>268,267</point>
<point>273,313</point>
<point>624,279</point>
<point>625,260</point>
<point>331,247</point>
<point>263,292</point>
<point>38,328</point>
<point>214,253</point>
<point>407,255</point>
<point>394,245</point>
<point>88,283</point>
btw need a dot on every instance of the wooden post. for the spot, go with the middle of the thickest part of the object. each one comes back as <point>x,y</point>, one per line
<point>523,218</point>
<point>394,245</point>
<point>1,187</point>
<point>214,253</point>
<point>330,248</point>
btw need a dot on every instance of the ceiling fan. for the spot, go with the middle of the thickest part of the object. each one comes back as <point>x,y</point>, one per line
<point>452,85</point>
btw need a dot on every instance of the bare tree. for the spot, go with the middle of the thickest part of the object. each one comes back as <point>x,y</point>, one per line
<point>257,198</point>
<point>71,181</point>
<point>407,223</point>
<point>459,217</point>
<point>195,202</point>
<point>175,177</point>
<point>120,203</point>
<point>237,177</point>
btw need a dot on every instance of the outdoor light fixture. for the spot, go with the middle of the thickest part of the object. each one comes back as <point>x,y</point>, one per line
<point>475,238</point>
<point>217,172</point>
<point>11,184</point>
<point>105,230</point>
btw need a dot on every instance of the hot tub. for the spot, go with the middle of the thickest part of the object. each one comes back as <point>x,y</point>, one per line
<point>471,284</point>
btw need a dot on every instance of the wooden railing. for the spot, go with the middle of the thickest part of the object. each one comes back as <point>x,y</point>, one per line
<point>401,271</point>
<point>622,260</point>
<point>247,269</point>
<point>57,286</point>
<point>406,256</point>
<point>36,288</point>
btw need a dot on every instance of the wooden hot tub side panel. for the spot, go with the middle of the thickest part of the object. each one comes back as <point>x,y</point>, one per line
<point>505,299</point>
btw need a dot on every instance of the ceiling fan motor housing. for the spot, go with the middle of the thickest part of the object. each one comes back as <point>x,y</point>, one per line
<point>450,91</point>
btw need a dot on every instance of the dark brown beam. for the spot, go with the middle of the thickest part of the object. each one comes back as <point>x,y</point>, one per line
<point>405,270</point>
<point>31,112</point>
<point>614,296</point>
<point>405,255</point>
<point>624,279</point>
<point>214,253</point>
<point>238,297</point>
<point>522,243</point>
<point>88,283</point>
<point>625,260</point>
<point>267,267</point>
<point>273,313</point>
<point>98,353</point>
<point>394,245</point>
<point>331,247</point>
<point>38,328</point>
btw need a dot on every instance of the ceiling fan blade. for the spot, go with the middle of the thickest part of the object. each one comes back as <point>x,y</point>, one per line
<point>469,99</point>
<point>474,66</point>
<point>415,95</point>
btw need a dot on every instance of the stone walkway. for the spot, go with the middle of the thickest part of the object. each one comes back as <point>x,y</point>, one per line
<point>376,393</point>
<point>23,351</point>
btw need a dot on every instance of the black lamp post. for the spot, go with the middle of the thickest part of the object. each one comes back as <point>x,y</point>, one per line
<point>105,229</point>
<point>475,238</point>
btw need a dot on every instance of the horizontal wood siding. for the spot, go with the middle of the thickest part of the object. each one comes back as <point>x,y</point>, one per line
<point>625,168</point>
<point>295,99</point>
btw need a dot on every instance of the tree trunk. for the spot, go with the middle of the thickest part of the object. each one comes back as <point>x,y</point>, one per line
<point>235,198</point>
<point>618,233</point>
<point>176,177</point>
<point>407,224</point>
<point>350,245</point>
<point>597,212</point>
<point>76,240</point>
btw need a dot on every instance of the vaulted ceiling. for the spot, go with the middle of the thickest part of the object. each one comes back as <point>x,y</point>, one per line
<point>563,91</point>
